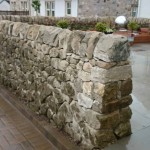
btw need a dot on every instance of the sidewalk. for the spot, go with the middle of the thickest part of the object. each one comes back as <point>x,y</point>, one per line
<point>17,133</point>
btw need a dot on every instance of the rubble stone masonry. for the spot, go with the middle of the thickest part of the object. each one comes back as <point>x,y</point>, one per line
<point>88,8</point>
<point>80,80</point>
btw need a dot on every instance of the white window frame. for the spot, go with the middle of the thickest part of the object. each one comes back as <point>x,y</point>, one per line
<point>24,6</point>
<point>68,8</point>
<point>13,6</point>
<point>50,8</point>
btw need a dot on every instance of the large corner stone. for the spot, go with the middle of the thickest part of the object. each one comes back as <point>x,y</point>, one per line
<point>112,48</point>
<point>111,75</point>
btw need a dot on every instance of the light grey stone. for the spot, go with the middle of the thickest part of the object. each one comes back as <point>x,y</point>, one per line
<point>85,76</point>
<point>113,74</point>
<point>84,100</point>
<point>112,48</point>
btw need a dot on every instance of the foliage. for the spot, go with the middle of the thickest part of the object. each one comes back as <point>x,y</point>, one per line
<point>36,5</point>
<point>109,30</point>
<point>133,26</point>
<point>63,24</point>
<point>101,27</point>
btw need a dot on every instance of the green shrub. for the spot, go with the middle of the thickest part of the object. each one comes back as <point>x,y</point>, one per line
<point>63,24</point>
<point>133,26</point>
<point>101,27</point>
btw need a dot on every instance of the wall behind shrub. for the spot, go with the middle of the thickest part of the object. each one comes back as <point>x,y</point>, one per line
<point>80,80</point>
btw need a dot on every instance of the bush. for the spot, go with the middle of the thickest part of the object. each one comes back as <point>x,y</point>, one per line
<point>133,26</point>
<point>101,27</point>
<point>63,24</point>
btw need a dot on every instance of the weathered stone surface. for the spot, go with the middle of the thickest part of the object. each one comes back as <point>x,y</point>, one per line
<point>85,76</point>
<point>123,129</point>
<point>126,87</point>
<point>87,88</point>
<point>125,101</point>
<point>87,67</point>
<point>113,74</point>
<point>105,65</point>
<point>77,111</point>
<point>84,100</point>
<point>55,71</point>
<point>112,48</point>
<point>92,43</point>
<point>33,32</point>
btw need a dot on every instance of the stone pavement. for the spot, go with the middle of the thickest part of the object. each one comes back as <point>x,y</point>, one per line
<point>17,133</point>
<point>140,139</point>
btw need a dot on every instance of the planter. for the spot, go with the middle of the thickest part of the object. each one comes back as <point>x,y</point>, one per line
<point>144,30</point>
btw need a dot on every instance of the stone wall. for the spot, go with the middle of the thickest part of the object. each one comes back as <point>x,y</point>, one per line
<point>80,80</point>
<point>104,7</point>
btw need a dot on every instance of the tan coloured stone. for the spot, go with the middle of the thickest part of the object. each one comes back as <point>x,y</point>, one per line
<point>87,67</point>
<point>111,75</point>
<point>105,65</point>
<point>87,87</point>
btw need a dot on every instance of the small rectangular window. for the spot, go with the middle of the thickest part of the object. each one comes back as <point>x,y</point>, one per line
<point>68,8</point>
<point>50,8</point>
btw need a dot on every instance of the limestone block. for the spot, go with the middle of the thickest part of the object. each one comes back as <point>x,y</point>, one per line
<point>92,43</point>
<point>50,34</point>
<point>126,87</point>
<point>33,32</point>
<point>105,65</point>
<point>112,48</point>
<point>125,101</point>
<point>87,88</point>
<point>68,88</point>
<point>84,100</point>
<point>125,114</point>
<point>77,36</point>
<point>54,52</point>
<point>111,75</point>
<point>77,111</point>
<point>62,37</point>
<point>123,129</point>
<point>87,67</point>
<point>55,62</point>
<point>63,64</point>
<point>85,76</point>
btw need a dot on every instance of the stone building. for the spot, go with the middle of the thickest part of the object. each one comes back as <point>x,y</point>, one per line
<point>104,7</point>
<point>77,8</point>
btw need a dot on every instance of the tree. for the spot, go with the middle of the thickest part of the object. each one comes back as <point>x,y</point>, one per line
<point>36,5</point>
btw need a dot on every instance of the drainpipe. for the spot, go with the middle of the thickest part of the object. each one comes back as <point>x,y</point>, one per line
<point>139,8</point>
<point>77,8</point>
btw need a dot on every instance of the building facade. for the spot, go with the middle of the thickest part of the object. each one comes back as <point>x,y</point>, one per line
<point>85,8</point>
<point>143,9</point>
<point>104,7</point>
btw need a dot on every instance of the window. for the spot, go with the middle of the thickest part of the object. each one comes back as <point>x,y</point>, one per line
<point>134,12</point>
<point>50,8</point>
<point>68,8</point>
<point>24,6</point>
<point>13,6</point>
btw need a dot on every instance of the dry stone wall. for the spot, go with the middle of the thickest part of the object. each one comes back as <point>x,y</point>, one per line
<point>80,80</point>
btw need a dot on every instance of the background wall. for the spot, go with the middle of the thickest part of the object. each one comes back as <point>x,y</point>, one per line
<point>104,8</point>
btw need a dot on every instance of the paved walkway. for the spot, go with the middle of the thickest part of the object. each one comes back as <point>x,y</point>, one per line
<point>17,133</point>
<point>140,139</point>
